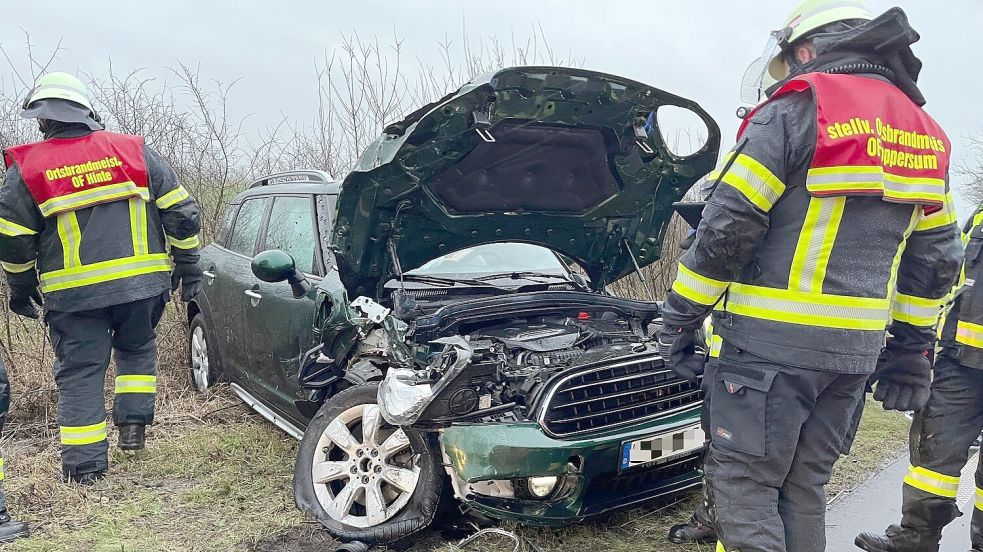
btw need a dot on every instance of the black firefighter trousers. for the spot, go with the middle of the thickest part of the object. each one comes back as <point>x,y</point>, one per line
<point>83,342</point>
<point>776,432</point>
<point>940,439</point>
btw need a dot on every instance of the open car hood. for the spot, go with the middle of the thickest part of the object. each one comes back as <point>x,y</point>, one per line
<point>553,156</point>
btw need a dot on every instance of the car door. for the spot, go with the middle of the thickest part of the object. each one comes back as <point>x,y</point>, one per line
<point>280,327</point>
<point>216,265</point>
<point>236,281</point>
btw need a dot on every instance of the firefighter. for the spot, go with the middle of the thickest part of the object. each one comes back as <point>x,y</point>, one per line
<point>832,216</point>
<point>86,216</point>
<point>943,432</point>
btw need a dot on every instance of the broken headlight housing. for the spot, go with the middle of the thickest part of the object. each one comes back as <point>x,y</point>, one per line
<point>402,397</point>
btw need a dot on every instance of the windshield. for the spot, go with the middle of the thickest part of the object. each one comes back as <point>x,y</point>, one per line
<point>494,258</point>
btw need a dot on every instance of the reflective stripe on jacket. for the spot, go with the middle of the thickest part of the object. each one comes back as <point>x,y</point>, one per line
<point>68,174</point>
<point>962,332</point>
<point>96,255</point>
<point>812,278</point>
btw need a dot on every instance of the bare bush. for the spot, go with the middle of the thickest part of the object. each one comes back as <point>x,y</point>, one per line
<point>361,86</point>
<point>973,171</point>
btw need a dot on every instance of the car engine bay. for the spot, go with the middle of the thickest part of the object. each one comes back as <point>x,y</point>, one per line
<point>488,367</point>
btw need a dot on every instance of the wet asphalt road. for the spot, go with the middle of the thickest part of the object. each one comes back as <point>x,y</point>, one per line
<point>876,504</point>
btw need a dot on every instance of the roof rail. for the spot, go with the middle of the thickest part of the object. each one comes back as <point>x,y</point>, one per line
<point>304,175</point>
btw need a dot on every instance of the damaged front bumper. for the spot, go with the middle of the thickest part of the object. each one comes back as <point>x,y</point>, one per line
<point>491,463</point>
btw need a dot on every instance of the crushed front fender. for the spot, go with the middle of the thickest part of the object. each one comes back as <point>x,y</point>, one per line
<point>495,452</point>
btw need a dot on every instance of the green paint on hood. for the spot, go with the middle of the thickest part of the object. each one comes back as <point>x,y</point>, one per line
<point>546,155</point>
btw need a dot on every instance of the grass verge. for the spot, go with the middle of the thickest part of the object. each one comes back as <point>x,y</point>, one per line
<point>217,477</point>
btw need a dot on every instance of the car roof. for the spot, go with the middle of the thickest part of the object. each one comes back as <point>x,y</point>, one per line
<point>297,182</point>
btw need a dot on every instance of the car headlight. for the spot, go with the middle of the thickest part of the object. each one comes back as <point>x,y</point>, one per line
<point>541,487</point>
<point>401,398</point>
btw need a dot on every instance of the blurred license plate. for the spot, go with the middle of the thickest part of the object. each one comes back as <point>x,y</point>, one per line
<point>661,448</point>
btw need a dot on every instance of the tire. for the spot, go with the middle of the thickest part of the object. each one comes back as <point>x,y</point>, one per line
<point>205,366</point>
<point>340,502</point>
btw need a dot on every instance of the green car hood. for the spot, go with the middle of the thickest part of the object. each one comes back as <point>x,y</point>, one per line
<point>552,156</point>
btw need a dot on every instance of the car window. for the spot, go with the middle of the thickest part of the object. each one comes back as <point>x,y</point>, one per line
<point>494,258</point>
<point>247,225</point>
<point>222,232</point>
<point>291,229</point>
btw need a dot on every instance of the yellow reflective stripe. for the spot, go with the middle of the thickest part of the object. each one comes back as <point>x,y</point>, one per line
<point>83,435</point>
<point>172,197</point>
<point>977,220</point>
<point>720,547</point>
<point>822,222</point>
<point>71,238</point>
<point>696,287</point>
<point>136,384</point>
<point>752,179</point>
<point>864,179</point>
<point>970,334</point>
<point>187,243</point>
<point>94,196</point>
<point>12,229</point>
<point>979,493</point>
<point>716,343</point>
<point>916,311</point>
<point>807,308</point>
<point>713,341</point>
<point>1,469</point>
<point>103,272</point>
<point>943,217</point>
<point>932,482</point>
<point>138,226</point>
<point>896,263</point>
<point>17,268</point>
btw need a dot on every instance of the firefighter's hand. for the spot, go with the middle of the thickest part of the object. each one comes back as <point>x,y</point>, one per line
<point>903,379</point>
<point>188,277</point>
<point>23,300</point>
<point>676,347</point>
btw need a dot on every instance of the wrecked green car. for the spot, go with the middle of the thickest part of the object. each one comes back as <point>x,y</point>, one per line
<point>452,338</point>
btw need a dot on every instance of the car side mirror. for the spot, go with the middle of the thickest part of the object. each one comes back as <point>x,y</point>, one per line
<point>278,266</point>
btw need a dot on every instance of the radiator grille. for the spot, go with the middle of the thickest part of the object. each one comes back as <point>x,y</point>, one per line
<point>611,396</point>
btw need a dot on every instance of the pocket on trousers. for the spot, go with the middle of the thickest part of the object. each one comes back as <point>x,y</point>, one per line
<point>738,419</point>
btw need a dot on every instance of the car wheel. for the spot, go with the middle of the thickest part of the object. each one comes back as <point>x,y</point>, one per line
<point>203,357</point>
<point>363,479</point>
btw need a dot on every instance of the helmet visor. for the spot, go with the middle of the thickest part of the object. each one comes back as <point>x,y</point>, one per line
<point>755,80</point>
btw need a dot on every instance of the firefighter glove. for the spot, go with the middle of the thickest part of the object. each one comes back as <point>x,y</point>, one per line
<point>188,277</point>
<point>903,379</point>
<point>676,347</point>
<point>24,293</point>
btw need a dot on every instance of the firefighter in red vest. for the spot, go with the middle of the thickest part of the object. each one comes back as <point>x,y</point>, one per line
<point>91,223</point>
<point>832,218</point>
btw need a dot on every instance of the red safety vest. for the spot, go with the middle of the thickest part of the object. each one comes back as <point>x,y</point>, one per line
<point>872,140</point>
<point>66,174</point>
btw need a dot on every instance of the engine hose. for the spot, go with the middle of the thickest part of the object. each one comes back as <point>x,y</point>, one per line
<point>353,546</point>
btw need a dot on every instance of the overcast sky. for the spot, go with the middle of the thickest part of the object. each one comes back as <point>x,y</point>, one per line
<point>695,48</point>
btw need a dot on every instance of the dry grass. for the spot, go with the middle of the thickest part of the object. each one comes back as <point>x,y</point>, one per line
<point>882,435</point>
<point>217,477</point>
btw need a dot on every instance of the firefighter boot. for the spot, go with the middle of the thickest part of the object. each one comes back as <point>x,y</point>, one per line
<point>88,478</point>
<point>131,437</point>
<point>692,531</point>
<point>11,529</point>
<point>900,539</point>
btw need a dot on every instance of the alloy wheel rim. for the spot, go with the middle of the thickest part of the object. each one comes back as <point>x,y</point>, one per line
<point>363,472</point>
<point>199,358</point>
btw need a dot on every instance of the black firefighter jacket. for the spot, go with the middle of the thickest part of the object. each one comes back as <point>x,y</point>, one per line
<point>78,254</point>
<point>804,281</point>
